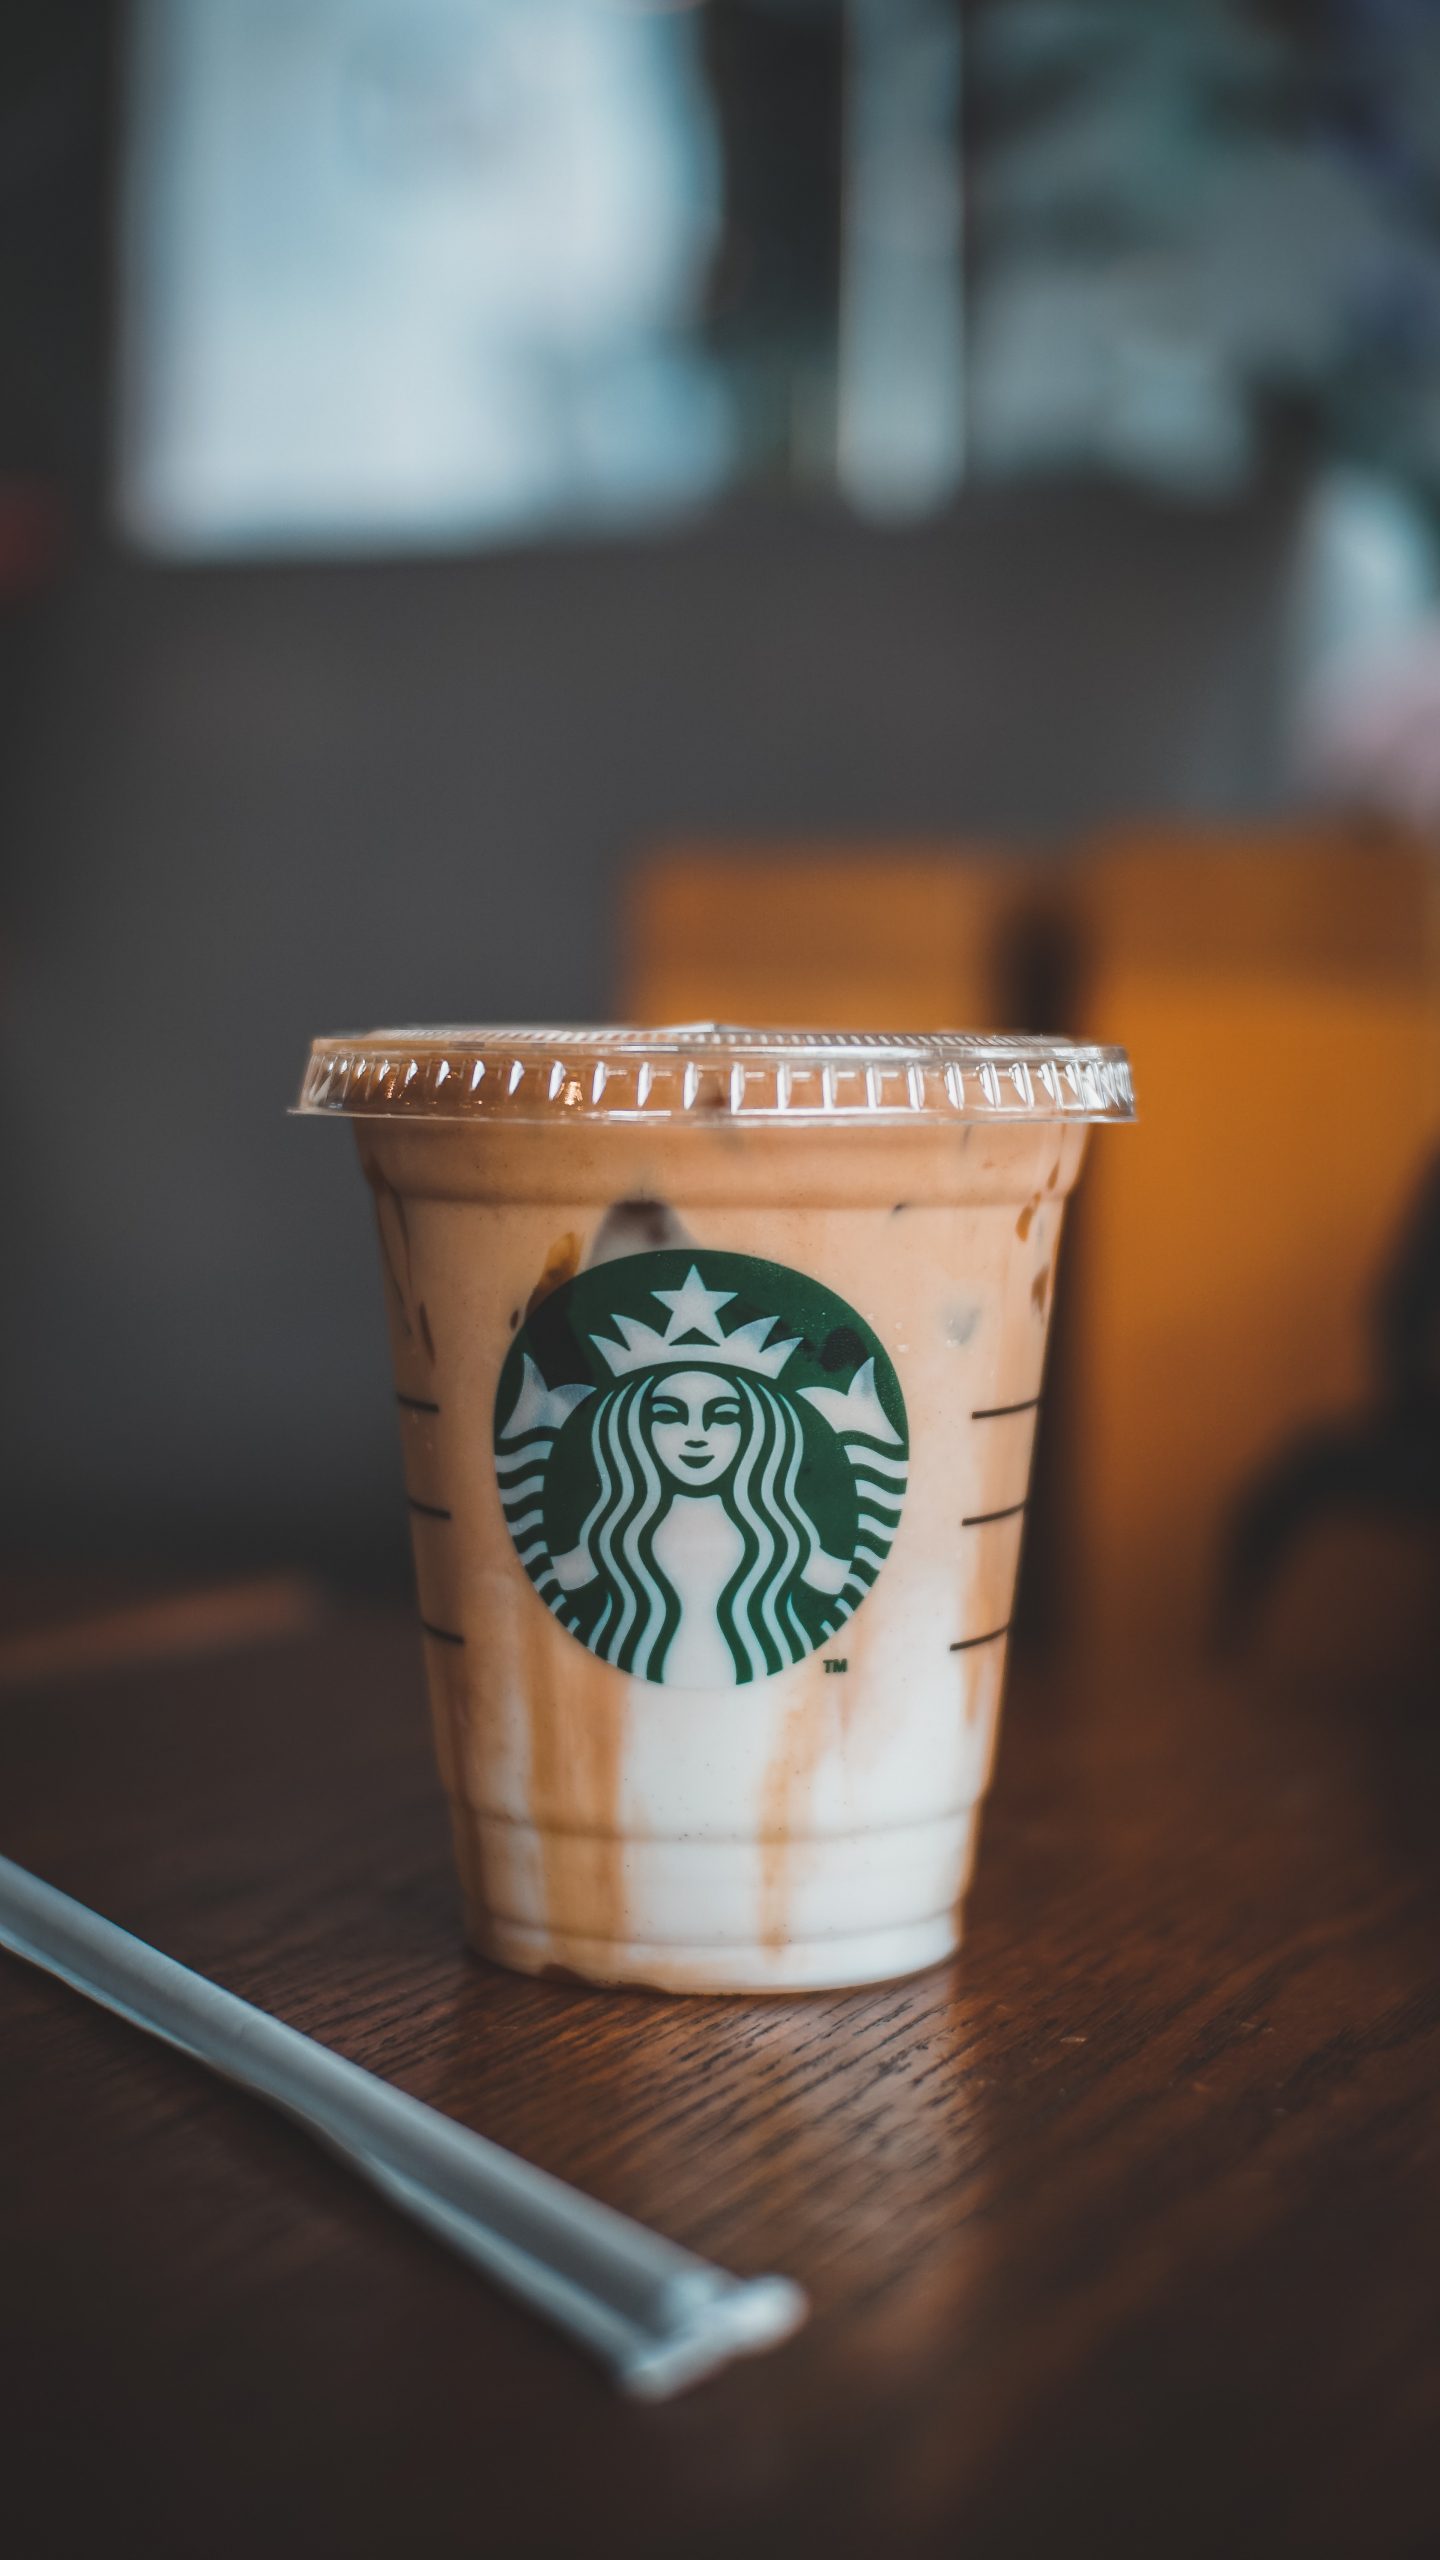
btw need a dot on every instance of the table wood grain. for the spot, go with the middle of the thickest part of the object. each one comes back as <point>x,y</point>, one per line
<point>1123,2231</point>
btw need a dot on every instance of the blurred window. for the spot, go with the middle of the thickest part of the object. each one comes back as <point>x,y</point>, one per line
<point>415,271</point>
<point>407,272</point>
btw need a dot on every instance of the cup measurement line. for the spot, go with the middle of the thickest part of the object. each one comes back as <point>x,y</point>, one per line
<point>431,1510</point>
<point>997,1412</point>
<point>967,1644</point>
<point>982,1519</point>
<point>416,1404</point>
<point>442,1635</point>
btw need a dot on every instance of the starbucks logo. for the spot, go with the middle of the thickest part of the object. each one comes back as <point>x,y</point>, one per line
<point>701,1459</point>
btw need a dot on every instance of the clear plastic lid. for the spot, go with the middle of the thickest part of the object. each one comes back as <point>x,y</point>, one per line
<point>688,1069</point>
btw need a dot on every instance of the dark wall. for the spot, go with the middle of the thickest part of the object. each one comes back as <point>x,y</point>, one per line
<point>251,804</point>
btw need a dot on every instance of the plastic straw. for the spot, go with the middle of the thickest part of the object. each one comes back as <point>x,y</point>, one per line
<point>656,2316</point>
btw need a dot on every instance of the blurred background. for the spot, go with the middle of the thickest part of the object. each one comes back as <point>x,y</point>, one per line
<point>475,475</point>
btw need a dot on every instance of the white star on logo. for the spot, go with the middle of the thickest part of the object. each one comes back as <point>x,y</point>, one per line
<point>694,1309</point>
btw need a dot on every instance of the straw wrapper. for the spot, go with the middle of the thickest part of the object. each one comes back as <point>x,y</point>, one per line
<point>656,2316</point>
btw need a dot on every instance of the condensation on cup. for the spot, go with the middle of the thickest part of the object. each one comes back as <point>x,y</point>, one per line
<point>718,1356</point>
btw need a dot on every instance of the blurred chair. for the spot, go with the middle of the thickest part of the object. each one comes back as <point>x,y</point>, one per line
<point>1280,996</point>
<point>871,938</point>
<point>1279,992</point>
<point>1375,1468</point>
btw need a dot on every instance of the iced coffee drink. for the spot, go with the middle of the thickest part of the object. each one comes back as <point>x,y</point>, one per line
<point>718,1361</point>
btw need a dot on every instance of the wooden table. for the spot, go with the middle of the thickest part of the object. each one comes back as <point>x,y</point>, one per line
<point>1123,2234</point>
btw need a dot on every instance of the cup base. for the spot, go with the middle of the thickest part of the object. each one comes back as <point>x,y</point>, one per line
<point>806,1964</point>
<point>811,1912</point>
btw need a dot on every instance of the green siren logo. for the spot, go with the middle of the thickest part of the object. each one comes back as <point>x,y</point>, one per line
<point>702,1459</point>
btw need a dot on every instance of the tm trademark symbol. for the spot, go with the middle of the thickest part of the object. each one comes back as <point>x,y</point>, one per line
<point>836,1662</point>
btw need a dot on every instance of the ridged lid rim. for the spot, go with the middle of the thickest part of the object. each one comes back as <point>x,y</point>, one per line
<point>690,1070</point>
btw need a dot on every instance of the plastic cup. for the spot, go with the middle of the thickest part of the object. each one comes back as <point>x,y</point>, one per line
<point>718,1362</point>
